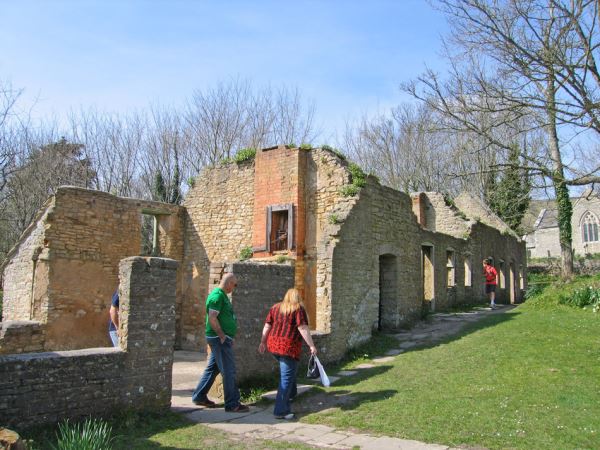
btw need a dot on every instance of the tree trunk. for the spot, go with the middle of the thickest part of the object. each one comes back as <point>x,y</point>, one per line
<point>563,201</point>
<point>565,212</point>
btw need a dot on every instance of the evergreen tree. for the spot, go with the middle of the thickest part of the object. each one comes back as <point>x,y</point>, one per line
<point>160,190</point>
<point>510,195</point>
<point>175,192</point>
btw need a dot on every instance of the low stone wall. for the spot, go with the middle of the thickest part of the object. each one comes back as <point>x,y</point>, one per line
<point>581,266</point>
<point>260,286</point>
<point>38,388</point>
<point>21,336</point>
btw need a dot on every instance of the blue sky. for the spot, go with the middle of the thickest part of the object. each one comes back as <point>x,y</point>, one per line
<point>347,56</point>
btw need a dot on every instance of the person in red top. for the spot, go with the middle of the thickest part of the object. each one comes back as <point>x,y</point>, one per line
<point>490,274</point>
<point>285,327</point>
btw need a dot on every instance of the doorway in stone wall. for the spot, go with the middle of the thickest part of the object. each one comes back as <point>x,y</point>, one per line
<point>428,279</point>
<point>388,291</point>
<point>512,284</point>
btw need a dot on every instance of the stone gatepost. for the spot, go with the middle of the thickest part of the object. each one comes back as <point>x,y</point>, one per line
<point>147,325</point>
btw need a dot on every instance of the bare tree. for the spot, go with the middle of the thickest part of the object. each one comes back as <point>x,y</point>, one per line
<point>44,163</point>
<point>234,115</point>
<point>293,120</point>
<point>112,143</point>
<point>217,121</point>
<point>410,149</point>
<point>10,126</point>
<point>516,59</point>
<point>164,142</point>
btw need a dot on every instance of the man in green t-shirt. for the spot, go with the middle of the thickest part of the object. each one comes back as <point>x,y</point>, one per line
<point>221,327</point>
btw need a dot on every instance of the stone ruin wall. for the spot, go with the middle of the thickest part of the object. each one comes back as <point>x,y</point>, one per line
<point>382,222</point>
<point>345,237</point>
<point>40,388</point>
<point>480,212</point>
<point>85,234</point>
<point>19,273</point>
<point>326,208</point>
<point>444,218</point>
<point>219,211</point>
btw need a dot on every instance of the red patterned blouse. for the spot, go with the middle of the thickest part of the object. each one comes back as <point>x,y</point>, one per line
<point>284,338</point>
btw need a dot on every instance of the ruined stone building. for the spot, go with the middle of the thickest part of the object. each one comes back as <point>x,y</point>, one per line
<point>366,257</point>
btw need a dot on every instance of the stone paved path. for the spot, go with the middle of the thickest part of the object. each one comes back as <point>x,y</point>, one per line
<point>259,423</point>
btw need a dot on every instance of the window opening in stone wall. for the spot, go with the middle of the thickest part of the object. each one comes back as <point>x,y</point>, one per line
<point>589,227</point>
<point>428,278</point>
<point>521,278</point>
<point>388,291</point>
<point>468,275</point>
<point>280,231</point>
<point>451,273</point>
<point>149,236</point>
<point>502,279</point>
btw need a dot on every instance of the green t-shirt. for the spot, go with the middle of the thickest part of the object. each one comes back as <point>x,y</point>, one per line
<point>217,300</point>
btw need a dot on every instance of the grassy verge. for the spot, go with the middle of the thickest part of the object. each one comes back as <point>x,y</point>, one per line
<point>525,379</point>
<point>170,430</point>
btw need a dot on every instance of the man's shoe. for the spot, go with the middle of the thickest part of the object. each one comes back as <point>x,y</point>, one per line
<point>238,409</point>
<point>290,416</point>
<point>206,403</point>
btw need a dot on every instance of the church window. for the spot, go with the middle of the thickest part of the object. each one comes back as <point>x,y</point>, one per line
<point>589,227</point>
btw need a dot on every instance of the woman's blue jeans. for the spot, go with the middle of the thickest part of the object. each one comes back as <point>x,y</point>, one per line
<point>288,368</point>
<point>221,360</point>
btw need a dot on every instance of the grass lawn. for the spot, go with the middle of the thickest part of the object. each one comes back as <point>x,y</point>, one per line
<point>166,431</point>
<point>529,379</point>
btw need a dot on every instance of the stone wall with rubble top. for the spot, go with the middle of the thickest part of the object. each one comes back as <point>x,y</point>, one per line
<point>19,271</point>
<point>21,336</point>
<point>442,217</point>
<point>40,388</point>
<point>326,209</point>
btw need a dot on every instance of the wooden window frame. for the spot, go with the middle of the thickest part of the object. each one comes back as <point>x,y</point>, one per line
<point>289,207</point>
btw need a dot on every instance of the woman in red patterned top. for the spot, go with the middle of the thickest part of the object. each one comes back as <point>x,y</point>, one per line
<point>286,325</point>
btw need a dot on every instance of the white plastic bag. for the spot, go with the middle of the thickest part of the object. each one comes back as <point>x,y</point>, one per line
<point>324,378</point>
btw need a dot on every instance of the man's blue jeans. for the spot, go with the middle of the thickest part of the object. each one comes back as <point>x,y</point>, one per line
<point>288,368</point>
<point>114,337</point>
<point>221,360</point>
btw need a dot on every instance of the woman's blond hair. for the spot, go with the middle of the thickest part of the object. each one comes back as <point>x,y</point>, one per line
<point>291,302</point>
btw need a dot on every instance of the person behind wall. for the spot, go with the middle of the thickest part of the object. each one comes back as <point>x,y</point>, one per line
<point>285,326</point>
<point>490,274</point>
<point>221,328</point>
<point>113,321</point>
